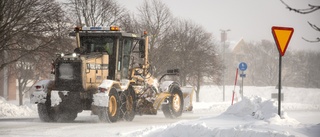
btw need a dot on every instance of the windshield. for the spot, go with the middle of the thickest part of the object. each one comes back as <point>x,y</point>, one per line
<point>98,44</point>
<point>66,71</point>
<point>127,45</point>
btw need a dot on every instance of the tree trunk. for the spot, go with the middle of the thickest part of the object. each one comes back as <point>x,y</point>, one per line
<point>198,87</point>
<point>20,96</point>
<point>197,96</point>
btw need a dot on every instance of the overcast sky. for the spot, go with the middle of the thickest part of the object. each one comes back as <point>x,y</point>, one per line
<point>248,19</point>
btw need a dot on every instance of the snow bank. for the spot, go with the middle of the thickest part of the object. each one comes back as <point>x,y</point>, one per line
<point>254,109</point>
<point>11,110</point>
<point>177,129</point>
<point>255,106</point>
<point>261,109</point>
<point>202,130</point>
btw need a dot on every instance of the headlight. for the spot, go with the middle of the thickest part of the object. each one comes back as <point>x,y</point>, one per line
<point>74,54</point>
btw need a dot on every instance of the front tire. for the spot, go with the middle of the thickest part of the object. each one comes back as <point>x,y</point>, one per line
<point>128,104</point>
<point>111,113</point>
<point>175,106</point>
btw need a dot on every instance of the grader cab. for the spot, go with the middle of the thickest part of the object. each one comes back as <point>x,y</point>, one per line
<point>109,74</point>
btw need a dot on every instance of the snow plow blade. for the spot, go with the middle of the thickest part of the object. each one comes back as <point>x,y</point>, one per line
<point>187,97</point>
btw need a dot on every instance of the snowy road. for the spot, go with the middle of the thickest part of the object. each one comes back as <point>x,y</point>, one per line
<point>87,125</point>
<point>210,118</point>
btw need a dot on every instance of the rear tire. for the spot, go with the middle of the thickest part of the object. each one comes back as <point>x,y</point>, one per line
<point>175,106</point>
<point>46,113</point>
<point>111,113</point>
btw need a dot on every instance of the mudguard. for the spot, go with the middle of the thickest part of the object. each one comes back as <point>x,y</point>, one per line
<point>166,85</point>
<point>102,98</point>
<point>187,92</point>
<point>39,94</point>
<point>164,93</point>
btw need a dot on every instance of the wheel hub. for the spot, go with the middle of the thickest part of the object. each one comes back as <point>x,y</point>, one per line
<point>176,102</point>
<point>112,106</point>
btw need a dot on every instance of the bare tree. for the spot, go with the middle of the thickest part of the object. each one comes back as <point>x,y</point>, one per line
<point>96,12</point>
<point>189,47</point>
<point>302,69</point>
<point>130,24</point>
<point>156,18</point>
<point>266,71</point>
<point>311,8</point>
<point>31,32</point>
<point>205,65</point>
<point>28,19</point>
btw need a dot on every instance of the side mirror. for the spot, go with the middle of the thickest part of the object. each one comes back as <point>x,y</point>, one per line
<point>142,48</point>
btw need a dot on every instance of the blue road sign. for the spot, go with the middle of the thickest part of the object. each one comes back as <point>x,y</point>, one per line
<point>243,66</point>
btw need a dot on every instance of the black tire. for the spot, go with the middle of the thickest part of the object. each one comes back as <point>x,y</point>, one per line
<point>111,113</point>
<point>175,106</point>
<point>128,104</point>
<point>46,113</point>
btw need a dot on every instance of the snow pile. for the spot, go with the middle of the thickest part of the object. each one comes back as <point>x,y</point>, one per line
<point>188,129</point>
<point>261,109</point>
<point>177,129</point>
<point>11,110</point>
<point>253,109</point>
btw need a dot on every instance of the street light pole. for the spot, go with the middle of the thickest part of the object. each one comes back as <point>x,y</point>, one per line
<point>223,39</point>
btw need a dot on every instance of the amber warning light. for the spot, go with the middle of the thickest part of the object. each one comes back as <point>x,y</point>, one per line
<point>114,28</point>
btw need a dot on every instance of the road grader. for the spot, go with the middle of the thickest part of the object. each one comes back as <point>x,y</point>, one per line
<point>109,74</point>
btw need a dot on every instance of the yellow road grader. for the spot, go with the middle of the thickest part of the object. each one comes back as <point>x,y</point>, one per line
<point>109,74</point>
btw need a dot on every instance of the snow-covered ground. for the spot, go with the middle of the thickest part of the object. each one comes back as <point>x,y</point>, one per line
<point>254,115</point>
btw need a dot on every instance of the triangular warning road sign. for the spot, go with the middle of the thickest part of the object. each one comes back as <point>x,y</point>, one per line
<point>282,36</point>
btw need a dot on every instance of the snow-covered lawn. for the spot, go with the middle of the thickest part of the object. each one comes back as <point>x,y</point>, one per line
<point>254,115</point>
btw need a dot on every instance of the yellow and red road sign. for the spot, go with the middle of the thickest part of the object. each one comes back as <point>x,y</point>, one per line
<point>282,36</point>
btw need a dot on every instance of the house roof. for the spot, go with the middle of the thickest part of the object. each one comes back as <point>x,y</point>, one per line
<point>236,45</point>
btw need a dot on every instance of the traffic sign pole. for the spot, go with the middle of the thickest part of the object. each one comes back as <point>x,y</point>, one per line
<point>279,86</point>
<point>242,86</point>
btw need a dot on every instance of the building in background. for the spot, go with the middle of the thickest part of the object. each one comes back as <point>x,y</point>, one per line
<point>8,88</point>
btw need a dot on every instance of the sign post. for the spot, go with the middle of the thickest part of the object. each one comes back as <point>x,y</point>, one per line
<point>282,36</point>
<point>243,67</point>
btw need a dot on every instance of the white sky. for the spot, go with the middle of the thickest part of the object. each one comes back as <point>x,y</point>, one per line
<point>248,19</point>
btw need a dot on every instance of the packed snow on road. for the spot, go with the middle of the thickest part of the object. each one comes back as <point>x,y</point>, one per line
<point>254,115</point>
